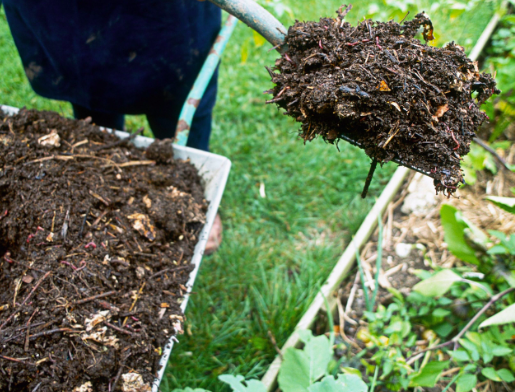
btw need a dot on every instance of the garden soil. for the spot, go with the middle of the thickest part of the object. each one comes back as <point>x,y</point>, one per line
<point>382,89</point>
<point>96,239</point>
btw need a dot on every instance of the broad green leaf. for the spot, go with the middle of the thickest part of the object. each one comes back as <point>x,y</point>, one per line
<point>506,375</point>
<point>188,389</point>
<point>491,374</point>
<point>439,312</point>
<point>454,229</point>
<point>459,355</point>
<point>428,376</point>
<point>438,284</point>
<point>301,368</point>
<point>500,351</point>
<point>344,383</point>
<point>505,316</point>
<point>466,382</point>
<point>506,203</point>
<point>473,350</point>
<point>236,383</point>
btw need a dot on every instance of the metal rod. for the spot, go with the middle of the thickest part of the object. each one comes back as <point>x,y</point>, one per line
<point>257,18</point>
<point>203,79</point>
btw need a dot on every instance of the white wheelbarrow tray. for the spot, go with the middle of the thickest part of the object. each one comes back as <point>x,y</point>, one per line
<point>214,171</point>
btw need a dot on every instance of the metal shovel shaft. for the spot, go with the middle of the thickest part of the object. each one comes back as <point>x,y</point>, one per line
<point>257,18</point>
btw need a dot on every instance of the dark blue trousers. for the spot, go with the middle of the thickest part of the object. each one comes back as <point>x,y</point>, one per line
<point>116,57</point>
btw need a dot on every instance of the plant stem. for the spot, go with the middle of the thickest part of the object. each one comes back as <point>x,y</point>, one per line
<point>363,283</point>
<point>452,382</point>
<point>376,372</point>
<point>378,261</point>
<point>455,339</point>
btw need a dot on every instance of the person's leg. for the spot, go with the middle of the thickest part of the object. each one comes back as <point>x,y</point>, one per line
<point>162,127</point>
<point>107,120</point>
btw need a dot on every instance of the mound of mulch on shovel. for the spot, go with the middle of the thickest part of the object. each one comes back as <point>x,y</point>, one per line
<point>96,238</point>
<point>377,86</point>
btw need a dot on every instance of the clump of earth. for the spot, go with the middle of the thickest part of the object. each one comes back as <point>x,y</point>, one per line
<point>378,87</point>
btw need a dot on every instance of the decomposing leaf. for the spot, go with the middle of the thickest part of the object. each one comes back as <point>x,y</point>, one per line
<point>96,319</point>
<point>50,140</point>
<point>133,382</point>
<point>383,86</point>
<point>50,237</point>
<point>99,336</point>
<point>141,223</point>
<point>440,111</point>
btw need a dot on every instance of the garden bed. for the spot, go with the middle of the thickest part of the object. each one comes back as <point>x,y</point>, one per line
<point>98,243</point>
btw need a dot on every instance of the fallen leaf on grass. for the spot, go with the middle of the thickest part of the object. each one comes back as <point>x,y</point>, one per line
<point>141,223</point>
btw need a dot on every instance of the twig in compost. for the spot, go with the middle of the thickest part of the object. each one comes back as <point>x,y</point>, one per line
<point>17,360</point>
<point>118,376</point>
<point>369,178</point>
<point>82,301</point>
<point>52,331</point>
<point>120,142</point>
<point>84,222</point>
<point>26,346</point>
<point>25,300</point>
<point>455,339</point>
<point>492,151</point>
<point>136,297</point>
<point>119,329</point>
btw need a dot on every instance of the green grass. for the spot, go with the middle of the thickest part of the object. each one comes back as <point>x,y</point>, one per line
<point>277,250</point>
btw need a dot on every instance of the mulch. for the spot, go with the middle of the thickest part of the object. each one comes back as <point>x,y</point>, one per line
<point>96,239</point>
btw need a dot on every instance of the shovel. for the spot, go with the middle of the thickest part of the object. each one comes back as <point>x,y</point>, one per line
<point>262,21</point>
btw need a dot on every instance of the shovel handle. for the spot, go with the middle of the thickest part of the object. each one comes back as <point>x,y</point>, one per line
<point>258,19</point>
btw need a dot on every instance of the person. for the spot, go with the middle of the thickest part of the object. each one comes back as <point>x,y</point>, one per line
<point>118,57</point>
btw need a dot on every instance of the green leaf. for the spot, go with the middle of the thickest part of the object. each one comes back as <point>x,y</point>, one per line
<point>500,351</point>
<point>236,383</point>
<point>188,389</point>
<point>454,228</point>
<point>506,203</point>
<point>439,312</point>
<point>459,355</point>
<point>491,374</point>
<point>505,316</point>
<point>438,284</point>
<point>466,382</point>
<point>301,368</point>
<point>429,374</point>
<point>344,383</point>
<point>506,375</point>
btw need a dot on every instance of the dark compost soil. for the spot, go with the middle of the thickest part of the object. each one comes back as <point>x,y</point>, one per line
<point>377,86</point>
<point>96,238</point>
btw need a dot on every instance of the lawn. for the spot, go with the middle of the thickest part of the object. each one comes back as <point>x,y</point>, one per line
<point>277,250</point>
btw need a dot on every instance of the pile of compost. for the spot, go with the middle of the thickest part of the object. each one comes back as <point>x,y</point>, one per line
<point>96,239</point>
<point>378,87</point>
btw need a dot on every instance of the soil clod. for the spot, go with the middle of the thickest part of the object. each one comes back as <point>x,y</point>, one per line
<point>379,87</point>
